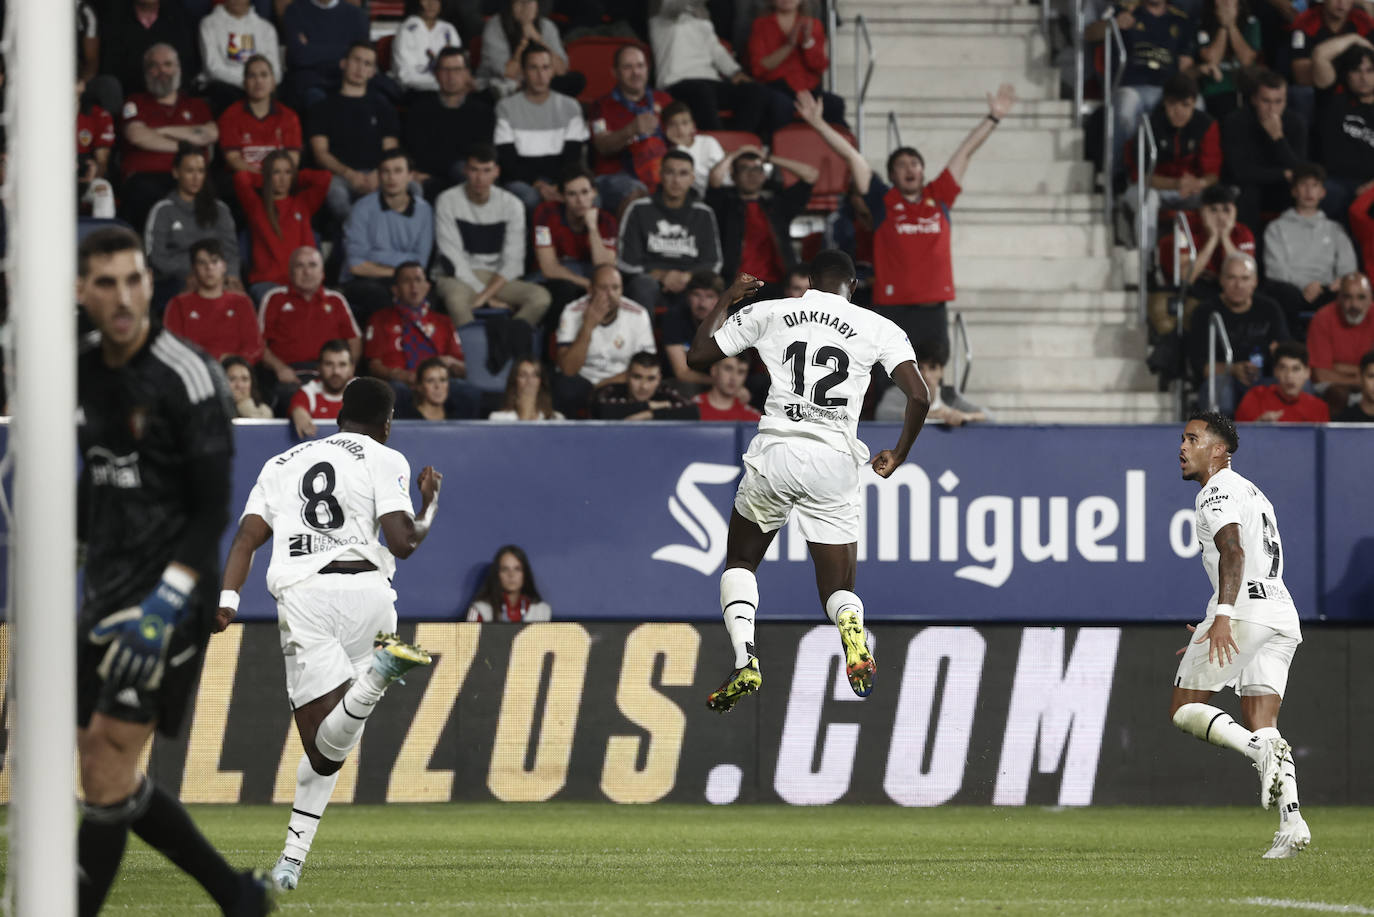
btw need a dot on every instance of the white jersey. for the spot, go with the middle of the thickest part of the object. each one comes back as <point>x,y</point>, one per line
<point>820,350</point>
<point>1263,599</point>
<point>324,501</point>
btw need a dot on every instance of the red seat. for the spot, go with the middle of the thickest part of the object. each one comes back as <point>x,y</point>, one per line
<point>594,58</point>
<point>733,140</point>
<point>384,53</point>
<point>800,142</point>
<point>387,9</point>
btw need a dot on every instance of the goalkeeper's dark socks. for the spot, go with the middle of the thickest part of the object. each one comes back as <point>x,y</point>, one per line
<point>167,828</point>
<point>99,848</point>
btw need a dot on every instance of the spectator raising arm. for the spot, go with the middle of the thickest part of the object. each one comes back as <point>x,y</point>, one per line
<point>809,110</point>
<point>1324,56</point>
<point>999,106</point>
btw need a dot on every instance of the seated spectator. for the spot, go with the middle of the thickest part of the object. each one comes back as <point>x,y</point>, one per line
<point>1361,216</point>
<point>695,67</point>
<point>131,28</point>
<point>1254,323</point>
<point>155,124</point>
<point>680,329</point>
<point>350,129</point>
<point>727,398</point>
<point>1188,149</point>
<point>1344,74</point>
<point>1228,41</point>
<point>504,40</point>
<point>385,229</point>
<point>706,152</point>
<point>565,249</point>
<point>1284,401</point>
<point>95,138</point>
<point>539,133</point>
<point>798,282</point>
<point>1362,411</point>
<point>667,237</point>
<point>754,216</point>
<point>788,53</point>
<point>1261,144</point>
<point>642,396</point>
<point>230,36</point>
<point>421,37</point>
<point>480,233</point>
<point>218,320</point>
<point>301,317</point>
<point>508,594</point>
<point>186,216</point>
<point>408,332</point>
<point>529,393</point>
<point>1217,235</point>
<point>947,406</point>
<point>243,389</point>
<point>1305,252</point>
<point>321,397</point>
<point>317,36</point>
<point>1340,334</point>
<point>440,129</point>
<point>597,335</point>
<point>278,203</point>
<point>627,133</point>
<point>258,124</point>
<point>429,399</point>
<point>1317,25</point>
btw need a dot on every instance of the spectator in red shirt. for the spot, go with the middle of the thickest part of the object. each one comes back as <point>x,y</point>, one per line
<point>913,265</point>
<point>1188,144</point>
<point>1362,225</point>
<point>95,137</point>
<point>278,203</point>
<point>565,249</point>
<point>727,399</point>
<point>755,216</point>
<point>787,50</point>
<point>1285,401</point>
<point>627,131</point>
<point>321,398</point>
<point>1339,335</point>
<point>1217,235</point>
<point>256,125</point>
<point>298,319</point>
<point>191,212</point>
<point>155,122</point>
<point>221,322</point>
<point>408,332</point>
<point>1318,24</point>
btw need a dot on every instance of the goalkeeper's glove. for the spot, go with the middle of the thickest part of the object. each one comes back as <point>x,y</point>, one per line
<point>138,635</point>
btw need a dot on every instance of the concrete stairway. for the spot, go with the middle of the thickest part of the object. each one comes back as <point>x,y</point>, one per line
<point>1039,284</point>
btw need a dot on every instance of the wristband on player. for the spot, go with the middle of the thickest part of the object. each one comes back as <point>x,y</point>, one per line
<point>1227,610</point>
<point>229,599</point>
<point>994,119</point>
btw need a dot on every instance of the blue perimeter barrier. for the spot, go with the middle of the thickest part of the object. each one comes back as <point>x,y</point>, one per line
<point>998,523</point>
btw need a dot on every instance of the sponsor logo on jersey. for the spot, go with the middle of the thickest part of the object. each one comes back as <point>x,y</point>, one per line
<point>303,544</point>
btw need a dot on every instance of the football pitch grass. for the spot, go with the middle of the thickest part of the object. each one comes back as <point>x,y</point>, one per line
<point>570,859</point>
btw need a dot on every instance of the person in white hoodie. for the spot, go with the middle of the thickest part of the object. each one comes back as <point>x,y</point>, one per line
<point>231,34</point>
<point>1305,252</point>
<point>418,42</point>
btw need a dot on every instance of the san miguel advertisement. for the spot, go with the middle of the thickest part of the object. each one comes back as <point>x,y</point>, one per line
<point>989,714</point>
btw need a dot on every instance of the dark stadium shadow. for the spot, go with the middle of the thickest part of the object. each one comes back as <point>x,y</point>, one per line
<point>1352,598</point>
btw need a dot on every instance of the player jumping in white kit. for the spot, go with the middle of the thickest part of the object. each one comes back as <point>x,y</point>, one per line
<point>322,503</point>
<point>1247,639</point>
<point>819,349</point>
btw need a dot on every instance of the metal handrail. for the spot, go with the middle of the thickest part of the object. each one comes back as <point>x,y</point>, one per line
<point>1145,143</point>
<point>962,366</point>
<point>1109,122</point>
<point>832,30</point>
<point>861,86</point>
<point>1078,61</point>
<point>1215,327</point>
<point>894,133</point>
<point>1182,233</point>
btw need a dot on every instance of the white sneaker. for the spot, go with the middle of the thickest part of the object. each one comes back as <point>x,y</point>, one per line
<point>1274,754</point>
<point>1291,839</point>
<point>287,873</point>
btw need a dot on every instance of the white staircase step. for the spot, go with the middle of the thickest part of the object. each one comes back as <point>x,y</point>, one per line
<point>1045,240</point>
<point>906,74</point>
<point>874,7</point>
<point>1024,273</point>
<point>937,145</point>
<point>1037,208</point>
<point>1042,406</point>
<point>1076,342</point>
<point>1089,374</point>
<point>1055,307</point>
<point>950,18</point>
<point>894,44</point>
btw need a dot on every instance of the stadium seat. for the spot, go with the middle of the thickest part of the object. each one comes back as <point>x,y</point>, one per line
<point>474,338</point>
<point>384,53</point>
<point>594,58</point>
<point>800,142</point>
<point>386,9</point>
<point>733,140</point>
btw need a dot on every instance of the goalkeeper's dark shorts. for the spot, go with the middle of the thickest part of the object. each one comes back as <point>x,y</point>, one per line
<point>166,705</point>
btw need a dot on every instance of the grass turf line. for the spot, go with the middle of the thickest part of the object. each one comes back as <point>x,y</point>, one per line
<point>566,858</point>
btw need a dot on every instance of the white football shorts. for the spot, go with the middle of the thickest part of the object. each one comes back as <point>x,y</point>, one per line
<point>1261,666</point>
<point>327,624</point>
<point>795,474</point>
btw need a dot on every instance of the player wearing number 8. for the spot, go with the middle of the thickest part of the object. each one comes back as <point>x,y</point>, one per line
<point>323,503</point>
<point>820,350</point>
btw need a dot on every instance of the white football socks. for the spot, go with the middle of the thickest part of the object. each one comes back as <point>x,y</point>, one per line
<point>1288,776</point>
<point>1212,724</point>
<point>342,728</point>
<point>739,602</point>
<point>843,600</point>
<point>312,795</point>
